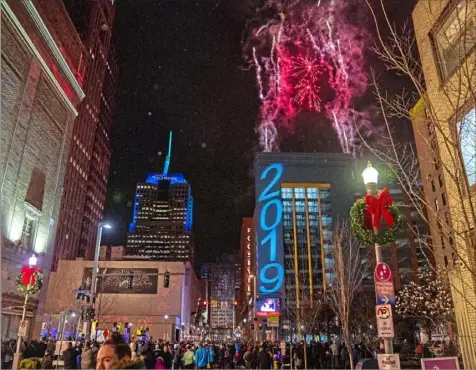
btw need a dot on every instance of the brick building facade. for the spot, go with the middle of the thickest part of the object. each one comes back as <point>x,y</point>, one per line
<point>42,68</point>
<point>445,32</point>
<point>89,156</point>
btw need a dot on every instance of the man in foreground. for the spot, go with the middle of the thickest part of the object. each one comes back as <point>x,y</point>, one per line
<point>115,353</point>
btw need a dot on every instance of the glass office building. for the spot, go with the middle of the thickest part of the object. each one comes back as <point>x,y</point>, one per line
<point>307,232</point>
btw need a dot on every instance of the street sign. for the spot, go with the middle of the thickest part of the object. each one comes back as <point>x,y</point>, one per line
<point>22,328</point>
<point>384,289</point>
<point>388,362</point>
<point>386,299</point>
<point>384,321</point>
<point>443,363</point>
<point>383,272</point>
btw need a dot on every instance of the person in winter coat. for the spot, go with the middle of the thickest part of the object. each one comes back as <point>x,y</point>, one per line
<point>159,364</point>
<point>48,359</point>
<point>247,358</point>
<point>211,355</point>
<point>69,356</point>
<point>188,362</point>
<point>88,357</point>
<point>254,357</point>
<point>177,356</point>
<point>201,357</point>
<point>168,359</point>
<point>264,360</point>
<point>149,357</point>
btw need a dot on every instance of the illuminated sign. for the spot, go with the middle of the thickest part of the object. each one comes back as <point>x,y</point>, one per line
<point>269,246</point>
<point>174,178</point>
<point>268,307</point>
<point>248,261</point>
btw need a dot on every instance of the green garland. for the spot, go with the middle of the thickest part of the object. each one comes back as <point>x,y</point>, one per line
<point>30,289</point>
<point>367,236</point>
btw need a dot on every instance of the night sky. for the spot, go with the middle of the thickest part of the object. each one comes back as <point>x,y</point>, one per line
<point>181,69</point>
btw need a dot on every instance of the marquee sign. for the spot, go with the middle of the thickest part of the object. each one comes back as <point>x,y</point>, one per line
<point>269,250</point>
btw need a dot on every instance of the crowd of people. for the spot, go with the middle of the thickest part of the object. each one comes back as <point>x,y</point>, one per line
<point>159,354</point>
<point>116,353</point>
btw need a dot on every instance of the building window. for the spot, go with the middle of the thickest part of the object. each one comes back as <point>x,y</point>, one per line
<point>466,129</point>
<point>440,180</point>
<point>443,199</point>
<point>455,37</point>
<point>28,232</point>
<point>433,185</point>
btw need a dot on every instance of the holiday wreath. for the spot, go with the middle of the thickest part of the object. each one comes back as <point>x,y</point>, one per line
<point>380,207</point>
<point>30,280</point>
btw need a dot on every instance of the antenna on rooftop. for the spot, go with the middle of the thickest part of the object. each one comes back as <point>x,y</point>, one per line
<point>167,159</point>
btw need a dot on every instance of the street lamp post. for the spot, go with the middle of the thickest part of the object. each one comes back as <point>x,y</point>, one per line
<point>370,175</point>
<point>94,276</point>
<point>16,357</point>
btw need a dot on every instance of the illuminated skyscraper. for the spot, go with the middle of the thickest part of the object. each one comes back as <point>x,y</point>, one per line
<point>87,169</point>
<point>161,228</point>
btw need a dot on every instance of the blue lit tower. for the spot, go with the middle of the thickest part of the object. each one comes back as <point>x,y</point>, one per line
<point>161,228</point>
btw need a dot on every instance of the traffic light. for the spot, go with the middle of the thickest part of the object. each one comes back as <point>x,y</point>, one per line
<point>204,303</point>
<point>252,326</point>
<point>87,314</point>
<point>80,296</point>
<point>166,279</point>
<point>235,303</point>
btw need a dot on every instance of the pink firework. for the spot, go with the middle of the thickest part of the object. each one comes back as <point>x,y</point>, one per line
<point>298,46</point>
<point>307,71</point>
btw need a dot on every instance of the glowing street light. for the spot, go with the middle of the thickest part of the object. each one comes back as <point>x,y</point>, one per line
<point>32,260</point>
<point>370,175</point>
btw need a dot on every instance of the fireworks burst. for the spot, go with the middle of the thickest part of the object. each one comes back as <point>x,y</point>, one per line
<point>297,46</point>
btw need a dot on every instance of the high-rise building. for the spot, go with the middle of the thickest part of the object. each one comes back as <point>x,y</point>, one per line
<point>222,297</point>
<point>42,85</point>
<point>161,227</point>
<point>299,198</point>
<point>87,171</point>
<point>444,123</point>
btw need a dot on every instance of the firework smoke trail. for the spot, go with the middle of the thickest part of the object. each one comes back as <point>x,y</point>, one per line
<point>287,36</point>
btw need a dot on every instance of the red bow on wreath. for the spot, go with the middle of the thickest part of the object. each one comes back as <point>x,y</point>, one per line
<point>28,275</point>
<point>377,206</point>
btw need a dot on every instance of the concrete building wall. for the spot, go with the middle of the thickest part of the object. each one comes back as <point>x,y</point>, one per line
<point>138,309</point>
<point>39,96</point>
<point>449,97</point>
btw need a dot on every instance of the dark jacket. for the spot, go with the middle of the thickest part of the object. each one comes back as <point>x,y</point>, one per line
<point>47,360</point>
<point>264,361</point>
<point>137,365</point>
<point>69,358</point>
<point>149,359</point>
<point>167,360</point>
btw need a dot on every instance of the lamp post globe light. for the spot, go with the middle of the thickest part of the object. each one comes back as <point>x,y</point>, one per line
<point>370,176</point>
<point>32,261</point>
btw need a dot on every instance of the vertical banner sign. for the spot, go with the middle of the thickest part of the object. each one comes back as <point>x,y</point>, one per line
<point>269,246</point>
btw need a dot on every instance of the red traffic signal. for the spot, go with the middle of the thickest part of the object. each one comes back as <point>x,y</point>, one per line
<point>235,303</point>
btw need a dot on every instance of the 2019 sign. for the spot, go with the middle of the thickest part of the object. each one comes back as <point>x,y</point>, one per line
<point>270,215</point>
